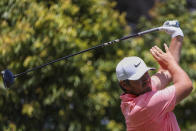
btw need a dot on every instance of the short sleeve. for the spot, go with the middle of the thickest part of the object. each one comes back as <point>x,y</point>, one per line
<point>154,84</point>
<point>161,101</point>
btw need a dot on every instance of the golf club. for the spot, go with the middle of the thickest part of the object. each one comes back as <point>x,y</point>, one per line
<point>8,76</point>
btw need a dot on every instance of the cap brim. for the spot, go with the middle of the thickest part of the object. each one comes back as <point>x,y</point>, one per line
<point>139,74</point>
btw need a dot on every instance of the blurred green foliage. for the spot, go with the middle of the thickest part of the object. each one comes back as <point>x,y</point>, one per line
<point>80,93</point>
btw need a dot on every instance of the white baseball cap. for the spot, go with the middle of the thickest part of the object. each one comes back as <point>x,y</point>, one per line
<point>131,68</point>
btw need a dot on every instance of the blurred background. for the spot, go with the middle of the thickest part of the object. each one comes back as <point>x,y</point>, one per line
<point>82,93</point>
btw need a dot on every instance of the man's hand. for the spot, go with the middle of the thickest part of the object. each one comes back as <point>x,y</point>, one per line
<point>172,28</point>
<point>165,59</point>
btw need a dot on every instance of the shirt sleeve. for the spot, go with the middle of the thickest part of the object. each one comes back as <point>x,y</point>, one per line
<point>161,101</point>
<point>161,79</point>
<point>154,85</point>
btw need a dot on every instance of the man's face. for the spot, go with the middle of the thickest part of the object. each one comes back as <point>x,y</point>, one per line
<point>140,86</point>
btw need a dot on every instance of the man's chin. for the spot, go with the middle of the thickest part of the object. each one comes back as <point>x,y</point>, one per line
<point>149,89</point>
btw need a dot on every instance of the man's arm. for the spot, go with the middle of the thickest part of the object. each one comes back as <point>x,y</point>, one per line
<point>182,82</point>
<point>175,47</point>
<point>163,77</point>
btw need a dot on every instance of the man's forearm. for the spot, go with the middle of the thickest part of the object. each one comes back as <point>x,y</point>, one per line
<point>175,47</point>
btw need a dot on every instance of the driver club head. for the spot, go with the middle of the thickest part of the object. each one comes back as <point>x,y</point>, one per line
<point>8,78</point>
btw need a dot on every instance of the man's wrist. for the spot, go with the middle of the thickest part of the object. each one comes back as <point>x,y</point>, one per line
<point>172,67</point>
<point>178,38</point>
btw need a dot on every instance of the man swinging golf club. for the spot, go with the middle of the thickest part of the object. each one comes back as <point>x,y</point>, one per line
<point>147,103</point>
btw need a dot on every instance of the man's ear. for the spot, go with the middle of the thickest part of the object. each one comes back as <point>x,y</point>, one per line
<point>123,84</point>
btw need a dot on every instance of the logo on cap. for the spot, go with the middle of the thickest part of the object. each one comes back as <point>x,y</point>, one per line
<point>136,65</point>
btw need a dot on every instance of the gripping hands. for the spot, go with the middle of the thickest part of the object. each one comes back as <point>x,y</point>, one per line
<point>172,28</point>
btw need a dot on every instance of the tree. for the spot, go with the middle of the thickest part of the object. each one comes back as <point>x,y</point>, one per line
<point>80,93</point>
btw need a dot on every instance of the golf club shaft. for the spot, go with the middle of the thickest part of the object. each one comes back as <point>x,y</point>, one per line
<point>101,45</point>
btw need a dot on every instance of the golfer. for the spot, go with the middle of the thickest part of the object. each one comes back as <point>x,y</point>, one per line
<point>148,102</point>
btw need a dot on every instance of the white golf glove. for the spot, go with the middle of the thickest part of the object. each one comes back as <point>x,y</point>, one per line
<point>172,28</point>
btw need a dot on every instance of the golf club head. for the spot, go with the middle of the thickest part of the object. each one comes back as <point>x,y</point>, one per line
<point>8,78</point>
